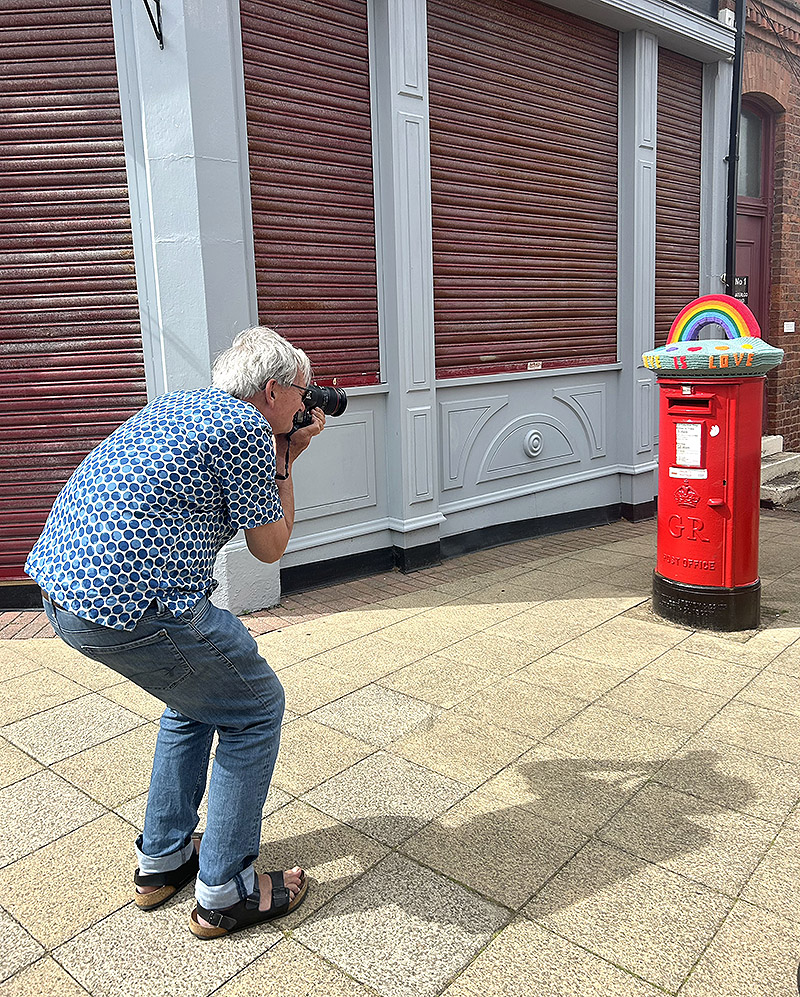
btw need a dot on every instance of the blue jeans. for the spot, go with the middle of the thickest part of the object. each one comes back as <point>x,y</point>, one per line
<point>206,667</point>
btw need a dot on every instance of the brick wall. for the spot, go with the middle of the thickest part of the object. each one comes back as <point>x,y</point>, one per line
<point>768,77</point>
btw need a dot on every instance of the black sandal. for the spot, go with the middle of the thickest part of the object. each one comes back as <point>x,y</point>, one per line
<point>246,913</point>
<point>169,883</point>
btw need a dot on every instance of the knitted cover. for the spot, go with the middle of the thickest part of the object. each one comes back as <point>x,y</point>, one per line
<point>713,358</point>
<point>742,353</point>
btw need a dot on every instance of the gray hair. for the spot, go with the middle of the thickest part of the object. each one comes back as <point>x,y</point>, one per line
<point>256,356</point>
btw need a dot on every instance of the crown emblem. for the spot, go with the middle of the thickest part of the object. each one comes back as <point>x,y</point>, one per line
<point>686,495</point>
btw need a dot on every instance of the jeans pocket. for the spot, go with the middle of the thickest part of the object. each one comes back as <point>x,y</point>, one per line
<point>154,663</point>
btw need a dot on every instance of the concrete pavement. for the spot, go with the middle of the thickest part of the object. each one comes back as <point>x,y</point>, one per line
<point>504,776</point>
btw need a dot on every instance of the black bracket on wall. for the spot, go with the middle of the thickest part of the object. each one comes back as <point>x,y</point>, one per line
<point>156,21</point>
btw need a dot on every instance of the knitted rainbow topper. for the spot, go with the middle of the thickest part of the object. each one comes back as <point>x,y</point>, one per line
<point>714,309</point>
<point>742,352</point>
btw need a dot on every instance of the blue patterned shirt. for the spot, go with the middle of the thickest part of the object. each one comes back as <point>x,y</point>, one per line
<point>146,513</point>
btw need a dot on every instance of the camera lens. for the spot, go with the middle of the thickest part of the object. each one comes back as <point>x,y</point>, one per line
<point>332,401</point>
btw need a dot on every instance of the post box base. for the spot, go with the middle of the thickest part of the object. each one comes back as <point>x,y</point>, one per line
<point>707,607</point>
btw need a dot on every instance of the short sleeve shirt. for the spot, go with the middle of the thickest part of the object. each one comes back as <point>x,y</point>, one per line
<point>146,513</point>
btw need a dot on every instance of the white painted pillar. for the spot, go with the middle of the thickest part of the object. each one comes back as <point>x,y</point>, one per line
<point>717,86</point>
<point>399,71</point>
<point>637,264</point>
<point>185,139</point>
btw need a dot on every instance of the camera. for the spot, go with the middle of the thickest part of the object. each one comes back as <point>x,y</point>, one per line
<point>332,401</point>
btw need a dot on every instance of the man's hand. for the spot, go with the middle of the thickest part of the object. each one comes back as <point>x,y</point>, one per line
<point>300,438</point>
<point>268,542</point>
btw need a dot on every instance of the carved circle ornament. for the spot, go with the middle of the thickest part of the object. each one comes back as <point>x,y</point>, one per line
<point>742,353</point>
<point>533,444</point>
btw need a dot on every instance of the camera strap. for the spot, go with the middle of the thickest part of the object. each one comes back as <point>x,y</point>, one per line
<point>285,475</point>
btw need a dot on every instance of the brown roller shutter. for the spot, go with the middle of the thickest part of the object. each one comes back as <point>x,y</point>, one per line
<point>680,109</point>
<point>71,367</point>
<point>308,127</point>
<point>524,172</point>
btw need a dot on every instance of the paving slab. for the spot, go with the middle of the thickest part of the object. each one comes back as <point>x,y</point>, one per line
<point>462,747</point>
<point>35,691</point>
<point>44,977</point>
<point>313,683</point>
<point>574,791</point>
<point>65,730</point>
<point>522,707</point>
<point>639,916</point>
<point>19,948</point>
<point>773,690</point>
<point>54,899</point>
<point>15,764</point>
<point>503,654</point>
<point>767,732</point>
<point>503,852</point>
<point>39,809</point>
<point>402,929</point>
<point>293,970</point>
<point>664,702</point>
<point>312,752</point>
<point>698,671</point>
<point>131,953</point>
<point>368,658</point>
<point>134,699</point>
<point>774,884</point>
<point>376,715</point>
<point>526,959</point>
<point>58,657</point>
<point>439,680</point>
<point>385,797</point>
<point>624,640</point>
<point>787,662</point>
<point>599,732</point>
<point>734,777</point>
<point>98,773</point>
<point>755,953</point>
<point>14,659</point>
<point>586,680</point>
<point>698,839</point>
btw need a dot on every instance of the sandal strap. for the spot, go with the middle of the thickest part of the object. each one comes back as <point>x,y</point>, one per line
<point>217,918</point>
<point>281,897</point>
<point>245,909</point>
<point>172,877</point>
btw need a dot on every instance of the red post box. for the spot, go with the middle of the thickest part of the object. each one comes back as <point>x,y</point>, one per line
<point>709,480</point>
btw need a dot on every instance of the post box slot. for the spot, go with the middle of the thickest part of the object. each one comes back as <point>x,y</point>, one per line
<point>691,404</point>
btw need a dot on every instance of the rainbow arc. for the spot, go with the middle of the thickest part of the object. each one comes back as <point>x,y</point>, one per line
<point>733,316</point>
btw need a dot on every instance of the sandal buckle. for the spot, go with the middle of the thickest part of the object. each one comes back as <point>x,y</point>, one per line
<point>215,917</point>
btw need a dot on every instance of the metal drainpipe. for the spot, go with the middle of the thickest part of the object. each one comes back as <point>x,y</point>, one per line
<point>733,149</point>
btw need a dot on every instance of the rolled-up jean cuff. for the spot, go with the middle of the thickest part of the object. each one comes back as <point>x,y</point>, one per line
<point>230,893</point>
<point>166,863</point>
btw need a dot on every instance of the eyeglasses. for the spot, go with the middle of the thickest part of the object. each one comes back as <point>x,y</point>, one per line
<point>302,388</point>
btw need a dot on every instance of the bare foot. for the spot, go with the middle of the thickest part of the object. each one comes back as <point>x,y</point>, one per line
<point>292,880</point>
<point>152,889</point>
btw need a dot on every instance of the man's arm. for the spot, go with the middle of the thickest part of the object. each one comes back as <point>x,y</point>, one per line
<point>268,542</point>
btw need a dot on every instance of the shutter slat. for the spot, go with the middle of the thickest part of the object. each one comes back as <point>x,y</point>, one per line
<point>71,368</point>
<point>310,144</point>
<point>524,195</point>
<point>680,106</point>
